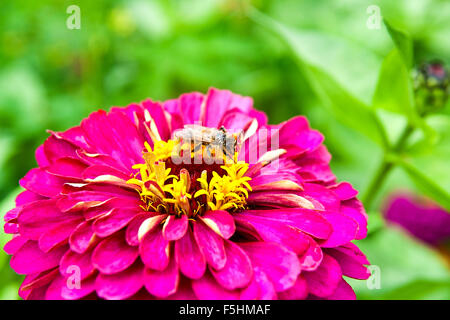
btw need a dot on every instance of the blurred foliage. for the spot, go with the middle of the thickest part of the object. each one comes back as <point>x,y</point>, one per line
<point>408,268</point>
<point>316,58</point>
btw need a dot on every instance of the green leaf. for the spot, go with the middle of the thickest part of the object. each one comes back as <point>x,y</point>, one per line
<point>430,158</point>
<point>402,261</point>
<point>421,290</point>
<point>402,41</point>
<point>7,204</point>
<point>426,184</point>
<point>345,107</point>
<point>352,65</point>
<point>9,292</point>
<point>377,222</point>
<point>312,52</point>
<point>9,280</point>
<point>439,148</point>
<point>394,91</point>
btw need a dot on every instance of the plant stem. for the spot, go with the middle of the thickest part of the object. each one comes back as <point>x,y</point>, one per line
<point>384,169</point>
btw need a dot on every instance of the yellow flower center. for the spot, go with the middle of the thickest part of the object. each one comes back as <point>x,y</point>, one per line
<point>177,188</point>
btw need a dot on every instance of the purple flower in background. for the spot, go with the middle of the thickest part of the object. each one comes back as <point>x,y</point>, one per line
<point>421,217</point>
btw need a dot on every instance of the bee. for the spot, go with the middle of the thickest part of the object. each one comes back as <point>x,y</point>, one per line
<point>209,139</point>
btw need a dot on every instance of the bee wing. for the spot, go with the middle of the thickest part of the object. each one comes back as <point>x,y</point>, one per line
<point>202,137</point>
<point>239,136</point>
<point>200,133</point>
<point>182,134</point>
<point>234,141</point>
<point>199,128</point>
<point>187,132</point>
<point>194,126</point>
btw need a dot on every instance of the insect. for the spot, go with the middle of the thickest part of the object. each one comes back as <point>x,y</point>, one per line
<point>212,140</point>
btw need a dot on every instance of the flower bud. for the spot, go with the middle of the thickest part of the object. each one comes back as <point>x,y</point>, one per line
<point>431,86</point>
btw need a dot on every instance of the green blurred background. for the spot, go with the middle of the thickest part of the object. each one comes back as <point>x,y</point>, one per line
<point>51,77</point>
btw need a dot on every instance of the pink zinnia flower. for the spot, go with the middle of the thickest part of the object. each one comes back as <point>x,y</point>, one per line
<point>108,206</point>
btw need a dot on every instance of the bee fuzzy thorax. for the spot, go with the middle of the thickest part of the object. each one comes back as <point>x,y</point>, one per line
<point>207,144</point>
<point>192,173</point>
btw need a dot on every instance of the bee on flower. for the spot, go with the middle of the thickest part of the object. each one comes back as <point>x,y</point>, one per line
<point>192,198</point>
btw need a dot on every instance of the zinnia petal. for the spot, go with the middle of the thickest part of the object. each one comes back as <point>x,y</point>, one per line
<point>221,222</point>
<point>104,257</point>
<point>162,284</point>
<point>155,250</point>
<point>175,228</point>
<point>120,285</point>
<point>211,245</point>
<point>279,264</point>
<point>325,279</point>
<point>189,257</point>
<point>238,270</point>
<point>30,259</point>
<point>206,288</point>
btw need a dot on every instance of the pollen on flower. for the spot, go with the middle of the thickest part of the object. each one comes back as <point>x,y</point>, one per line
<point>189,189</point>
<point>228,191</point>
